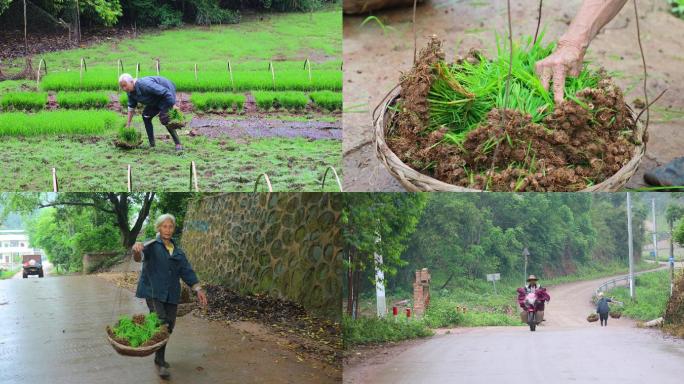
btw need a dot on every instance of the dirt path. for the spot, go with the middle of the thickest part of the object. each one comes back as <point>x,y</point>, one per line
<point>53,332</point>
<point>565,349</point>
<point>375,59</point>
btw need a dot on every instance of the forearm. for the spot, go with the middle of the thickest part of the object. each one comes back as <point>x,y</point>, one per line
<point>592,16</point>
<point>130,116</point>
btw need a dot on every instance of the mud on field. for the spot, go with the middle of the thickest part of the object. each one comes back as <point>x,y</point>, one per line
<point>573,148</point>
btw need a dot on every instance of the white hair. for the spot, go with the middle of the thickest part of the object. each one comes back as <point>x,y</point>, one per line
<point>600,294</point>
<point>163,218</point>
<point>125,77</point>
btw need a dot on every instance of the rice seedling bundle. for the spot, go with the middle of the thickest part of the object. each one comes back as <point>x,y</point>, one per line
<point>73,122</point>
<point>137,330</point>
<point>217,101</point>
<point>82,100</point>
<point>327,99</point>
<point>23,101</point>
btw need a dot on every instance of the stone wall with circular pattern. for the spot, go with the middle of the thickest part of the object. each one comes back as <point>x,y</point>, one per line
<point>287,245</point>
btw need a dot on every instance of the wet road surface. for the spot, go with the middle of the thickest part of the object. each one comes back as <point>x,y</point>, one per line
<point>566,349</point>
<point>52,331</point>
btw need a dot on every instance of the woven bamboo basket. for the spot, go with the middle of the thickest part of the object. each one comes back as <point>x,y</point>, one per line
<point>592,318</point>
<point>615,315</point>
<point>126,350</point>
<point>415,181</point>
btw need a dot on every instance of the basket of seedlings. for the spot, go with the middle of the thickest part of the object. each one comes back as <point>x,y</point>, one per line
<point>176,119</point>
<point>128,138</point>
<point>139,335</point>
<point>451,127</point>
<point>615,313</point>
<point>592,317</point>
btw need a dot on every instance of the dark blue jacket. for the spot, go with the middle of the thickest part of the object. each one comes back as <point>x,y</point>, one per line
<point>602,306</point>
<point>153,91</point>
<point>161,271</point>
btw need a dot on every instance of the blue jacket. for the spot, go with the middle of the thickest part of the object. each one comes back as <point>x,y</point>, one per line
<point>161,272</point>
<point>154,91</point>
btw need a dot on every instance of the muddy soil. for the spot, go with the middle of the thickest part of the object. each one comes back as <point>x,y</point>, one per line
<point>260,128</point>
<point>615,48</point>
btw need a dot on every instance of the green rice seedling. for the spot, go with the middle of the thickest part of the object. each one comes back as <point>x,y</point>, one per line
<point>176,119</point>
<point>23,101</point>
<point>218,101</point>
<point>135,333</point>
<point>287,100</point>
<point>327,99</point>
<point>464,93</point>
<point>75,122</point>
<point>130,136</point>
<point>207,81</point>
<point>82,100</point>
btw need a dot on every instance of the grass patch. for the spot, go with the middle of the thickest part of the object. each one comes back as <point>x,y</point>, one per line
<point>226,165</point>
<point>214,101</point>
<point>331,101</point>
<point>652,294</point>
<point>286,100</point>
<point>82,100</point>
<point>8,274</point>
<point>23,101</point>
<point>58,122</point>
<point>373,330</point>
<point>259,38</point>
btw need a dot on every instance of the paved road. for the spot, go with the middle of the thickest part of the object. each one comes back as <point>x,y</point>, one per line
<point>52,331</point>
<point>567,349</point>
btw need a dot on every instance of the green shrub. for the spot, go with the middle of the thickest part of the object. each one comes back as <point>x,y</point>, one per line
<point>327,99</point>
<point>217,101</point>
<point>377,330</point>
<point>652,293</point>
<point>23,101</point>
<point>58,122</point>
<point>288,100</point>
<point>677,8</point>
<point>82,100</point>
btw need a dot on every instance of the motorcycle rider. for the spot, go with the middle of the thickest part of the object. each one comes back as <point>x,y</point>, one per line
<point>533,286</point>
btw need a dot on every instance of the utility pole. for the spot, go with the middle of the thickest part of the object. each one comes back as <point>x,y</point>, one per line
<point>630,246</point>
<point>655,236</point>
<point>526,253</point>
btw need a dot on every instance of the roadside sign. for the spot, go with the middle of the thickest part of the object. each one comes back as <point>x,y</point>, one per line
<point>493,276</point>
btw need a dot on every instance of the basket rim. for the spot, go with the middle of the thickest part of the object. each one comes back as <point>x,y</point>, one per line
<point>415,181</point>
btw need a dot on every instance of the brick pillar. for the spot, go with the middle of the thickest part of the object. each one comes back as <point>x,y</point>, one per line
<point>421,292</point>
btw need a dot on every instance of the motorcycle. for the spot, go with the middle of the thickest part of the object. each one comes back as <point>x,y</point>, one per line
<point>532,303</point>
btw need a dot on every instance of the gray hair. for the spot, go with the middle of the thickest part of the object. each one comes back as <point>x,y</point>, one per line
<point>161,219</point>
<point>125,77</point>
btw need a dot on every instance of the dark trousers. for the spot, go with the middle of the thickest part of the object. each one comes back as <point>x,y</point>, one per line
<point>604,318</point>
<point>150,112</point>
<point>167,315</point>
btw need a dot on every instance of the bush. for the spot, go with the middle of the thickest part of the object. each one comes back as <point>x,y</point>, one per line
<point>58,122</point>
<point>82,100</point>
<point>442,313</point>
<point>377,330</point>
<point>217,101</point>
<point>327,99</point>
<point>652,293</point>
<point>23,101</point>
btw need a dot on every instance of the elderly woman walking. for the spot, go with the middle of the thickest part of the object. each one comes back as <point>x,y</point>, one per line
<point>164,263</point>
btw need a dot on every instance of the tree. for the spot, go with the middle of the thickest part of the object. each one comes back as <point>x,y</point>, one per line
<point>118,205</point>
<point>376,223</point>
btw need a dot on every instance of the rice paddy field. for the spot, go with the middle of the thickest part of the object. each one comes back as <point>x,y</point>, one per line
<point>269,103</point>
